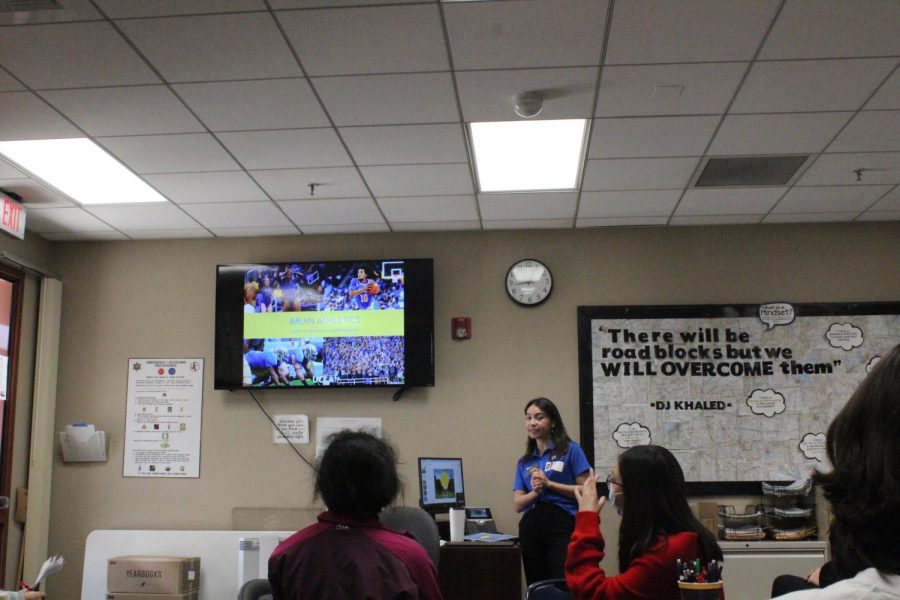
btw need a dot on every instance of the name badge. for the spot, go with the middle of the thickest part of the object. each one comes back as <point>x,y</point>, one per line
<point>556,465</point>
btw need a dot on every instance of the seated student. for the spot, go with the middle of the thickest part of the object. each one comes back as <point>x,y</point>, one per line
<point>349,553</point>
<point>658,528</point>
<point>863,488</point>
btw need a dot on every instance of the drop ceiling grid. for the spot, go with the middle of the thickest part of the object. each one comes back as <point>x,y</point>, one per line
<point>361,101</point>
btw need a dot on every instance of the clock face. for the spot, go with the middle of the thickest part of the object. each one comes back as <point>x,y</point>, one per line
<point>529,282</point>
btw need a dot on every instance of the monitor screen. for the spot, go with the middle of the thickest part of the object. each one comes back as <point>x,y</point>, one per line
<point>441,484</point>
<point>297,325</point>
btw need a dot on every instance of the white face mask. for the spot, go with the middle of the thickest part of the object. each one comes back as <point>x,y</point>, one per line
<point>612,498</point>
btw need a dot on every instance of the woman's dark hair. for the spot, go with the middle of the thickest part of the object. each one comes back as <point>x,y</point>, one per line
<point>655,505</point>
<point>863,444</point>
<point>357,475</point>
<point>558,434</point>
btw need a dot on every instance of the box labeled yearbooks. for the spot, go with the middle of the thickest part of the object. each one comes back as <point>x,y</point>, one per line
<point>153,574</point>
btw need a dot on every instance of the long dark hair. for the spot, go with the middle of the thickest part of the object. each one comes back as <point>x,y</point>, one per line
<point>655,505</point>
<point>558,434</point>
<point>863,445</point>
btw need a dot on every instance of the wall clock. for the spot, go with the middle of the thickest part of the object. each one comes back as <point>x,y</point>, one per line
<point>529,282</point>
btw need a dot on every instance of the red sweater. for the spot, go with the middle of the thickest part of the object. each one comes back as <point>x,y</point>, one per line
<point>649,576</point>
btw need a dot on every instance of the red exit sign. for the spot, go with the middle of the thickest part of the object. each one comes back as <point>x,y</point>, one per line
<point>12,217</point>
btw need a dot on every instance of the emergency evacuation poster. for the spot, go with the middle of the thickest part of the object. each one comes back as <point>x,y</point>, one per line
<point>739,393</point>
<point>163,415</point>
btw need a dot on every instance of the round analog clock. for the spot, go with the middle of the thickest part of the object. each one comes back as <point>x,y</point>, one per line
<point>529,282</point>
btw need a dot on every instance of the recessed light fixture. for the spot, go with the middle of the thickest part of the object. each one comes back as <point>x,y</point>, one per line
<point>80,169</point>
<point>519,156</point>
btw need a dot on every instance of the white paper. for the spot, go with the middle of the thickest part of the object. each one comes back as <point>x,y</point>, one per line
<point>163,417</point>
<point>295,427</point>
<point>326,426</point>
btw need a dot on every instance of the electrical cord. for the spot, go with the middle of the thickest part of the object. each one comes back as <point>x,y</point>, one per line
<point>275,425</point>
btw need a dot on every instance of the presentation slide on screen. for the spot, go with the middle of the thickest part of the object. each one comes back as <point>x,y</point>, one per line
<point>734,398</point>
<point>324,324</point>
<point>441,481</point>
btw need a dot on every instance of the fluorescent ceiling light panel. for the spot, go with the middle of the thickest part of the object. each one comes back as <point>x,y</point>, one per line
<point>80,169</point>
<point>519,156</point>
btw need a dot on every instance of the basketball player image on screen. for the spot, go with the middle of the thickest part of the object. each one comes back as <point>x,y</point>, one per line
<point>363,290</point>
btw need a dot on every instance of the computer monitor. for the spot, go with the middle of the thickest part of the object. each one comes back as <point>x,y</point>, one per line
<point>441,484</point>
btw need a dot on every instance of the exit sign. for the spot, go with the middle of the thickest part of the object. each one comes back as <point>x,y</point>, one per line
<point>12,217</point>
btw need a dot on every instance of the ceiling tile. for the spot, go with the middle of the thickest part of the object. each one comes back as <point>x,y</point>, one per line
<point>137,217</point>
<point>490,95</point>
<point>890,202</point>
<point>283,4</point>
<point>437,226</point>
<point>27,117</point>
<point>621,222</point>
<point>651,137</point>
<point>62,220</point>
<point>170,153</point>
<point>638,173</point>
<point>692,89</point>
<point>84,236</point>
<point>429,209</point>
<point>834,28</point>
<point>888,95</point>
<point>237,214</point>
<point>805,217</point>
<point>262,104</point>
<point>384,39</point>
<point>389,99</point>
<point>879,216</point>
<point>661,31</point>
<point>288,149</point>
<point>658,203</point>
<point>293,184</point>
<point>419,180</point>
<point>255,231</point>
<point>190,188</point>
<point>531,33</point>
<point>125,110</point>
<point>332,212</point>
<point>71,55</point>
<point>523,206</point>
<point>777,134</point>
<point>715,220</point>
<point>346,229</point>
<point>731,201</point>
<point>405,144</point>
<point>35,195</point>
<point>166,234</point>
<point>869,131</point>
<point>8,84</point>
<point>810,85</point>
<point>529,224</point>
<point>119,9</point>
<point>840,169</point>
<point>205,48</point>
<point>835,198</point>
<point>70,10</point>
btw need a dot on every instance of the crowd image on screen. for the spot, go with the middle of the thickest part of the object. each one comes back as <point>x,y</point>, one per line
<point>368,358</point>
<point>322,287</point>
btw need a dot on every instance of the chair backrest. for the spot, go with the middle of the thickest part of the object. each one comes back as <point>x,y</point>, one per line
<point>419,523</point>
<point>548,589</point>
<point>256,589</point>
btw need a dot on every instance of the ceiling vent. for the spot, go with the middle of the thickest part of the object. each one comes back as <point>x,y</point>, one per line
<point>750,171</point>
<point>28,5</point>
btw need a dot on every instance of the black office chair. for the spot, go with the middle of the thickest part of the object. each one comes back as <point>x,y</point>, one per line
<point>256,589</point>
<point>548,589</point>
<point>419,523</point>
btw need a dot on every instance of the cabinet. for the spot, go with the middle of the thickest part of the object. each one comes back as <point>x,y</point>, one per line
<point>750,567</point>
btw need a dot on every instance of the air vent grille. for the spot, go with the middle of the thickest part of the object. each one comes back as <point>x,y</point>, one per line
<point>749,171</point>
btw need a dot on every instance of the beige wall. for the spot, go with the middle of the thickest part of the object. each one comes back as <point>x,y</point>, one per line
<point>156,299</point>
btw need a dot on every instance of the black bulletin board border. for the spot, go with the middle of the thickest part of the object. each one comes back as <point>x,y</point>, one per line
<point>587,314</point>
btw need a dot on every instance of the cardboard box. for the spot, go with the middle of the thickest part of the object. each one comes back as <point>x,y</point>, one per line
<point>708,510</point>
<point>131,596</point>
<point>153,574</point>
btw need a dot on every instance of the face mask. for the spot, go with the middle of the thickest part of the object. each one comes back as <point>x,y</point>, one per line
<point>612,498</point>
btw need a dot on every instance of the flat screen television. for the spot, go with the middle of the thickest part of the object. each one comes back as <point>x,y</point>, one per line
<point>354,323</point>
<point>441,484</point>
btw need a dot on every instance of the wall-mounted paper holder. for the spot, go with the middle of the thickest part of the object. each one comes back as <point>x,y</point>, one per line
<point>82,443</point>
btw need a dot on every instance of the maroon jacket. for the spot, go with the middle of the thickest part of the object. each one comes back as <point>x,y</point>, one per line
<point>340,557</point>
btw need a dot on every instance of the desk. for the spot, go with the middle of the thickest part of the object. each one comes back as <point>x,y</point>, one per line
<point>473,571</point>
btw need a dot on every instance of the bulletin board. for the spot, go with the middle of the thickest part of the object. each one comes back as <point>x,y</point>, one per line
<point>739,393</point>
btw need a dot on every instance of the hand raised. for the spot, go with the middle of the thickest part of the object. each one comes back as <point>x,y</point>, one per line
<point>587,496</point>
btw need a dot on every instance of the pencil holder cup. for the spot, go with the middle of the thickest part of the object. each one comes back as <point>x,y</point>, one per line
<point>700,591</point>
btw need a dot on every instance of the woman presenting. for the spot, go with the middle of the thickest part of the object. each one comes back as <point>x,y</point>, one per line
<point>546,478</point>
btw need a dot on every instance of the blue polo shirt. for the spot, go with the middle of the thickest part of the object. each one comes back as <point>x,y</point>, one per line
<point>561,469</point>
